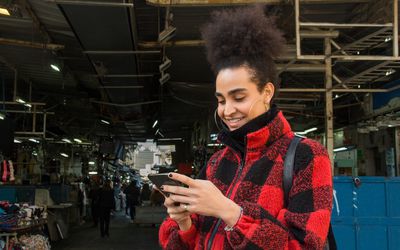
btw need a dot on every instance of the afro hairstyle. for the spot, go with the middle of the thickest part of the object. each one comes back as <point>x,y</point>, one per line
<point>244,36</point>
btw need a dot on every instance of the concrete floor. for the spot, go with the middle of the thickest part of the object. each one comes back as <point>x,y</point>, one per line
<point>123,235</point>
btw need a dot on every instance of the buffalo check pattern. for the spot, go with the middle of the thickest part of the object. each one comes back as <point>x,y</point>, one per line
<point>265,223</point>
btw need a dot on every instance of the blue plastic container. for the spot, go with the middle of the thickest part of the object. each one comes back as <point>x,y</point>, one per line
<point>367,217</point>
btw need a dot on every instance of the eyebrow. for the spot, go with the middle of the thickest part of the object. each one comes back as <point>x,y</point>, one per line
<point>231,92</point>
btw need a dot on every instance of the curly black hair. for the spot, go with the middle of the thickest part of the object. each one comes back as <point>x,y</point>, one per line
<point>244,36</point>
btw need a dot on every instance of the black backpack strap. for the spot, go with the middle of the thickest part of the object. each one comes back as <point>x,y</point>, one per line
<point>288,181</point>
<point>288,167</point>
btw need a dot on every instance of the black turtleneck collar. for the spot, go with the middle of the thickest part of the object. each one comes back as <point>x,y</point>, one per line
<point>236,138</point>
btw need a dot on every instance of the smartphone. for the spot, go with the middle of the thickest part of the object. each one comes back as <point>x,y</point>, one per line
<point>162,179</point>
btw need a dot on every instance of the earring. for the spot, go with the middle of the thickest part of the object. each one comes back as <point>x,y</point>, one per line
<point>216,122</point>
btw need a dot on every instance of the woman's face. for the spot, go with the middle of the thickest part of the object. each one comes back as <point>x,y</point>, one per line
<point>239,100</point>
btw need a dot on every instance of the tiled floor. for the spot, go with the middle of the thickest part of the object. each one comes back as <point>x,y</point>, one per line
<point>123,235</point>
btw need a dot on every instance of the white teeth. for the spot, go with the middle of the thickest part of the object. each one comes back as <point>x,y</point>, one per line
<point>234,120</point>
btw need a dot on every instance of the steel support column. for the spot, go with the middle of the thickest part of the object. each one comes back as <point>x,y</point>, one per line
<point>395,29</point>
<point>328,100</point>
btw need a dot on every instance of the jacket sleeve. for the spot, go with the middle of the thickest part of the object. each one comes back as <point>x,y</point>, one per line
<point>171,237</point>
<point>305,222</point>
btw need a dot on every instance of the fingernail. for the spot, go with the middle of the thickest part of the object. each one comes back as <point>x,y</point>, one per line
<point>170,175</point>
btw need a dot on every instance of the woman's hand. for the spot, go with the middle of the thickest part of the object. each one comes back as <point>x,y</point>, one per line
<point>202,197</point>
<point>177,213</point>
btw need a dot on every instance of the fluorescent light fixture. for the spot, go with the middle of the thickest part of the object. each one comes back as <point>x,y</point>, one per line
<point>340,149</point>
<point>17,141</point>
<point>390,125</point>
<point>33,140</point>
<point>19,100</point>
<point>4,11</point>
<point>158,130</point>
<point>155,123</point>
<point>93,172</point>
<point>91,162</point>
<point>306,131</point>
<point>170,139</point>
<point>310,130</point>
<point>214,137</point>
<point>34,153</point>
<point>66,140</point>
<point>77,140</point>
<point>214,144</point>
<point>2,116</point>
<point>389,72</point>
<point>104,121</point>
<point>64,154</point>
<point>28,105</point>
<point>55,67</point>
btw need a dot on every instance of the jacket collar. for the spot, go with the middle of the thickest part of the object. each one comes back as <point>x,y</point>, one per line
<point>262,131</point>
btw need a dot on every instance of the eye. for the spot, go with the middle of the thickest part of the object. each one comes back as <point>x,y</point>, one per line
<point>239,99</point>
<point>221,102</point>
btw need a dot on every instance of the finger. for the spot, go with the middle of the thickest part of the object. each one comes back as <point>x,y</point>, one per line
<point>176,190</point>
<point>183,179</point>
<point>181,199</point>
<point>176,210</point>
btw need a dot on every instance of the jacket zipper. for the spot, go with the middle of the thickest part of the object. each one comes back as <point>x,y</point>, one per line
<point>215,229</point>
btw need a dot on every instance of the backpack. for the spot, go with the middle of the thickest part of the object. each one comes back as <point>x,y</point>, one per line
<point>287,185</point>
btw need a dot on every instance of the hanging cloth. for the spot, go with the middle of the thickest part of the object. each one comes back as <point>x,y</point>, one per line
<point>12,177</point>
<point>5,172</point>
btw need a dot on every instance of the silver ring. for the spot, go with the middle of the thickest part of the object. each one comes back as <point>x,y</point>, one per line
<point>185,207</point>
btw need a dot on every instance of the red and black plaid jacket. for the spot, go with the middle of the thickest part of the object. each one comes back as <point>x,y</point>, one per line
<point>257,188</point>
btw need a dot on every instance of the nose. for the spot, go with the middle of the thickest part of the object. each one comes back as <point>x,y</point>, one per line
<point>229,109</point>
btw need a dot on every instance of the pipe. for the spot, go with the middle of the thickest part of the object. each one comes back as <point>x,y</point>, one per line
<point>118,52</point>
<point>35,45</point>
<point>90,3</point>
<point>126,105</point>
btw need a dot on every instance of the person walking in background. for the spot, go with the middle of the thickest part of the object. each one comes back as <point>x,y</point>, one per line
<point>106,204</point>
<point>145,194</point>
<point>132,194</point>
<point>238,201</point>
<point>94,196</point>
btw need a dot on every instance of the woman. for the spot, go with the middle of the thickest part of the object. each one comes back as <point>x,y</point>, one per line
<point>240,204</point>
<point>106,203</point>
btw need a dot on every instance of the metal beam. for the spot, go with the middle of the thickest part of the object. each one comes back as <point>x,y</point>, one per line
<point>205,3</point>
<point>119,52</point>
<point>121,87</point>
<point>328,101</point>
<point>91,3</point>
<point>319,33</point>
<point>29,44</point>
<point>319,90</point>
<point>395,37</point>
<point>125,75</point>
<point>301,67</point>
<point>344,25</point>
<point>350,58</point>
<point>127,105</point>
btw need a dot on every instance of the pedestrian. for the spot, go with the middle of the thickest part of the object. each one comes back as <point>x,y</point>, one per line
<point>94,196</point>
<point>106,204</point>
<point>132,195</point>
<point>145,194</point>
<point>239,201</point>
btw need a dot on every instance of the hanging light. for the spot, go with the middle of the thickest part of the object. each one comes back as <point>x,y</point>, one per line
<point>77,140</point>
<point>64,155</point>
<point>66,140</point>
<point>105,122</point>
<point>55,67</point>
<point>20,100</point>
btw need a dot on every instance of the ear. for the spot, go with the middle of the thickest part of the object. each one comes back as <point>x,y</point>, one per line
<point>269,90</point>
